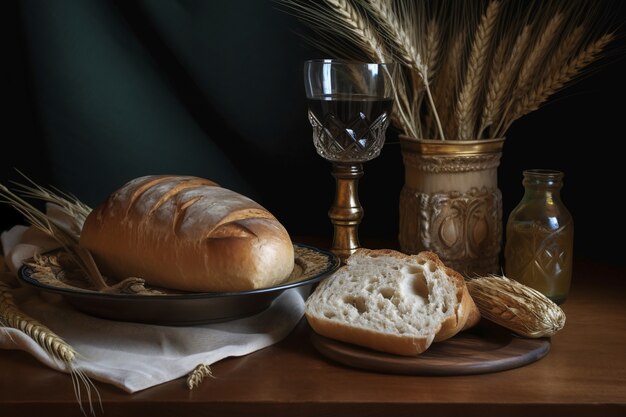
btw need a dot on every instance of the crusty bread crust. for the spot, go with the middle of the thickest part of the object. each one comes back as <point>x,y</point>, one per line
<point>390,343</point>
<point>187,233</point>
<point>466,313</point>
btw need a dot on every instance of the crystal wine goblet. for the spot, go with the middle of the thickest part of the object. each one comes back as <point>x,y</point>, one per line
<point>349,106</point>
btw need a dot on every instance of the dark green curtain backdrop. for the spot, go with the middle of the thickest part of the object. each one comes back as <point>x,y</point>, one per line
<point>102,91</point>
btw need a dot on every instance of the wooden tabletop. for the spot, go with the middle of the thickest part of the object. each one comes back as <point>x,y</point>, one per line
<point>584,374</point>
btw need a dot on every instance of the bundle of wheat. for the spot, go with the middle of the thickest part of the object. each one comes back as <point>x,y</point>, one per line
<point>470,68</point>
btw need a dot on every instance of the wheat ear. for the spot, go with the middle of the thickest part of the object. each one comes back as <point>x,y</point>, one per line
<point>554,81</point>
<point>37,218</point>
<point>67,239</point>
<point>433,45</point>
<point>11,316</point>
<point>344,20</point>
<point>564,51</point>
<point>405,49</point>
<point>360,32</point>
<point>509,75</point>
<point>536,54</point>
<point>68,203</point>
<point>446,85</point>
<point>50,342</point>
<point>432,57</point>
<point>196,376</point>
<point>403,107</point>
<point>516,306</point>
<point>494,96</point>
<point>474,77</point>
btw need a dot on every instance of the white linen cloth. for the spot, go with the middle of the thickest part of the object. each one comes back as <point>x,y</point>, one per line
<point>136,356</point>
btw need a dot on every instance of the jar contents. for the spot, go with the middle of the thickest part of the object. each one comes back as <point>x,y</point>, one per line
<point>540,237</point>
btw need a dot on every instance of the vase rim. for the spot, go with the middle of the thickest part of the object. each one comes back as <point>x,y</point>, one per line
<point>456,147</point>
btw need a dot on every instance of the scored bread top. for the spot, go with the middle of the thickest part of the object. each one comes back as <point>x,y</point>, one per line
<point>188,233</point>
<point>391,302</point>
<point>181,203</point>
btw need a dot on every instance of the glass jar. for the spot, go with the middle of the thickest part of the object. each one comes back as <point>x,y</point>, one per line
<point>540,236</point>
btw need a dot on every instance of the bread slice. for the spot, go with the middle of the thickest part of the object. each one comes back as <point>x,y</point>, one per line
<point>392,302</point>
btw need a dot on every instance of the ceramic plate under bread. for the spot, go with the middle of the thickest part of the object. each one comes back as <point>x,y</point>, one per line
<point>181,309</point>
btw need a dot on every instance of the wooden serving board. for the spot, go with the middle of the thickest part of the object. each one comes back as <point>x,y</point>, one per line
<point>483,349</point>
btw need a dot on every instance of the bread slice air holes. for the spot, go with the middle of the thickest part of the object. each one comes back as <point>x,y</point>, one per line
<point>359,303</point>
<point>432,267</point>
<point>400,304</point>
<point>387,292</point>
<point>329,314</point>
<point>415,287</point>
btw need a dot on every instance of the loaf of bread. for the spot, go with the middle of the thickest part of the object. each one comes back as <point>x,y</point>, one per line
<point>187,233</point>
<point>392,302</point>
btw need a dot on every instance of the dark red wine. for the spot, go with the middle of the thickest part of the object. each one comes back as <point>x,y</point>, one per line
<point>349,129</point>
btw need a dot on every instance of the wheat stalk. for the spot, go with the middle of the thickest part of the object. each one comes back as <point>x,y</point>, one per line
<point>403,46</point>
<point>11,316</point>
<point>405,51</point>
<point>503,73</point>
<point>340,19</point>
<point>494,96</point>
<point>555,81</point>
<point>446,87</point>
<point>516,306</point>
<point>538,52</point>
<point>38,219</point>
<point>564,51</point>
<point>433,46</point>
<point>357,28</point>
<point>468,98</point>
<point>403,102</point>
<point>55,346</point>
<point>67,239</point>
<point>67,202</point>
<point>532,62</point>
<point>506,77</point>
<point>432,58</point>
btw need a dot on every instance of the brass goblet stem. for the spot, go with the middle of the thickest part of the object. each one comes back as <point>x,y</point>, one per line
<point>346,212</point>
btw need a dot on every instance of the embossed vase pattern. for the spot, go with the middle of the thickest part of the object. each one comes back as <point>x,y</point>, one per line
<point>450,202</point>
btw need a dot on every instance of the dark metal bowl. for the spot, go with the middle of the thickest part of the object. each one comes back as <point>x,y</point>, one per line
<point>184,309</point>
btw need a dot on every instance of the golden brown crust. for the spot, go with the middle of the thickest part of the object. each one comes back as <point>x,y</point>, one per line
<point>467,313</point>
<point>187,233</point>
<point>395,344</point>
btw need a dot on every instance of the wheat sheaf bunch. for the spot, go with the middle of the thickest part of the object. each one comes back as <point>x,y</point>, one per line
<point>517,307</point>
<point>469,68</point>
